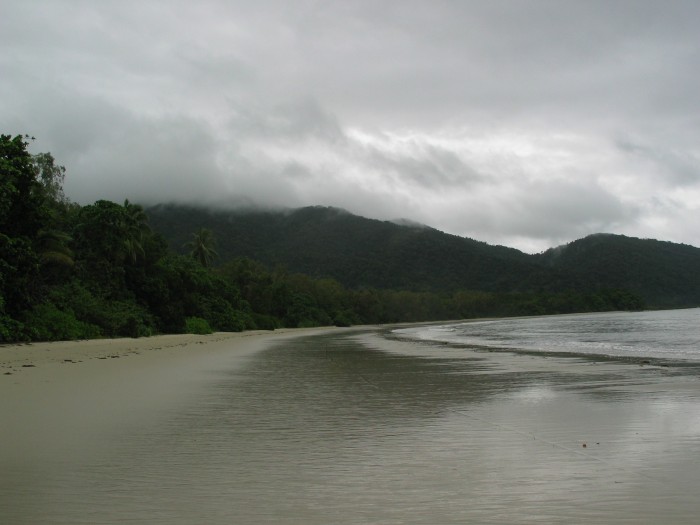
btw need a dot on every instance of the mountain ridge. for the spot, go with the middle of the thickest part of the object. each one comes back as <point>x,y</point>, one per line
<point>327,242</point>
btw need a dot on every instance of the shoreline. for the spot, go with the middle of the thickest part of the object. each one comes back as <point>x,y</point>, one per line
<point>288,427</point>
<point>19,362</point>
<point>17,357</point>
<point>55,395</point>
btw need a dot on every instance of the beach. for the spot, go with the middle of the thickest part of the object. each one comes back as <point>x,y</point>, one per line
<point>339,425</point>
<point>17,358</point>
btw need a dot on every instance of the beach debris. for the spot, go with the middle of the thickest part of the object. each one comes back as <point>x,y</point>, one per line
<point>584,445</point>
<point>29,366</point>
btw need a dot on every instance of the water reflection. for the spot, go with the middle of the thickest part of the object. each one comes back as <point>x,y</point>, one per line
<point>361,429</point>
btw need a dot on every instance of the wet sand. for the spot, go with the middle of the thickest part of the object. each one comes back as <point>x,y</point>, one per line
<point>57,397</point>
<point>341,426</point>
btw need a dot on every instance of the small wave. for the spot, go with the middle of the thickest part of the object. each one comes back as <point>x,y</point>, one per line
<point>673,335</point>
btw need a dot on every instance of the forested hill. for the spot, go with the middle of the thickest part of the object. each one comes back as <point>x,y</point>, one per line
<point>665,274</point>
<point>356,251</point>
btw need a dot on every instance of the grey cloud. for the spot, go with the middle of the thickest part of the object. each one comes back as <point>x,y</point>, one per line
<point>426,165</point>
<point>291,121</point>
<point>264,101</point>
<point>681,168</point>
<point>112,153</point>
<point>537,215</point>
<point>158,160</point>
<point>439,60</point>
<point>558,209</point>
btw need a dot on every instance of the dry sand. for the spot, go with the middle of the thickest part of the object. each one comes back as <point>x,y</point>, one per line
<point>25,363</point>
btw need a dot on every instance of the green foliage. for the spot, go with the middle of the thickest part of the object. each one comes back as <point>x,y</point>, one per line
<point>113,318</point>
<point>197,325</point>
<point>50,176</point>
<point>357,252</point>
<point>49,323</point>
<point>19,273</point>
<point>202,247</point>
<point>265,322</point>
<point>22,210</point>
<point>222,315</point>
<point>122,319</point>
<point>10,329</point>
<point>343,318</point>
<point>662,274</point>
<point>368,254</point>
<point>136,230</point>
<point>23,214</point>
<point>178,287</point>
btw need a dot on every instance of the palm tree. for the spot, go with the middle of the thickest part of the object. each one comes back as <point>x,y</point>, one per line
<point>55,256</point>
<point>136,229</point>
<point>202,246</point>
<point>53,248</point>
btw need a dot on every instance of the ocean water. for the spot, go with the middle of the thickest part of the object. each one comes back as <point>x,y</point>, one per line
<point>671,334</point>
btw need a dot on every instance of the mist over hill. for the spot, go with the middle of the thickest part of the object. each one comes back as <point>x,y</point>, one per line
<point>360,252</point>
<point>71,271</point>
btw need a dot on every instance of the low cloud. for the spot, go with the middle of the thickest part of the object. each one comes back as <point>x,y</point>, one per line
<point>672,167</point>
<point>498,122</point>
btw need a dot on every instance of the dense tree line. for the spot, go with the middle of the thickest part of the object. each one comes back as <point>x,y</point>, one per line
<point>71,272</point>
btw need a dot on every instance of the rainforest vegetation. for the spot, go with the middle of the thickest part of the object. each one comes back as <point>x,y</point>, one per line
<point>116,269</point>
<point>589,273</point>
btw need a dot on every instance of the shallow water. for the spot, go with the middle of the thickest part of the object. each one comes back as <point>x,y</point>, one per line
<point>359,428</point>
<point>666,334</point>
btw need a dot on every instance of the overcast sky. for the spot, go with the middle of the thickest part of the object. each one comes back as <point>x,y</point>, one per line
<point>522,123</point>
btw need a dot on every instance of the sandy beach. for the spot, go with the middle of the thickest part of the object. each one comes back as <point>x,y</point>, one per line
<point>54,396</point>
<point>15,359</point>
<point>36,371</point>
<point>339,425</point>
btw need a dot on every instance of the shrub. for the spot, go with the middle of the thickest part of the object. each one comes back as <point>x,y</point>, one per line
<point>114,318</point>
<point>11,330</point>
<point>343,319</point>
<point>223,316</point>
<point>46,322</point>
<point>197,325</point>
<point>265,322</point>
